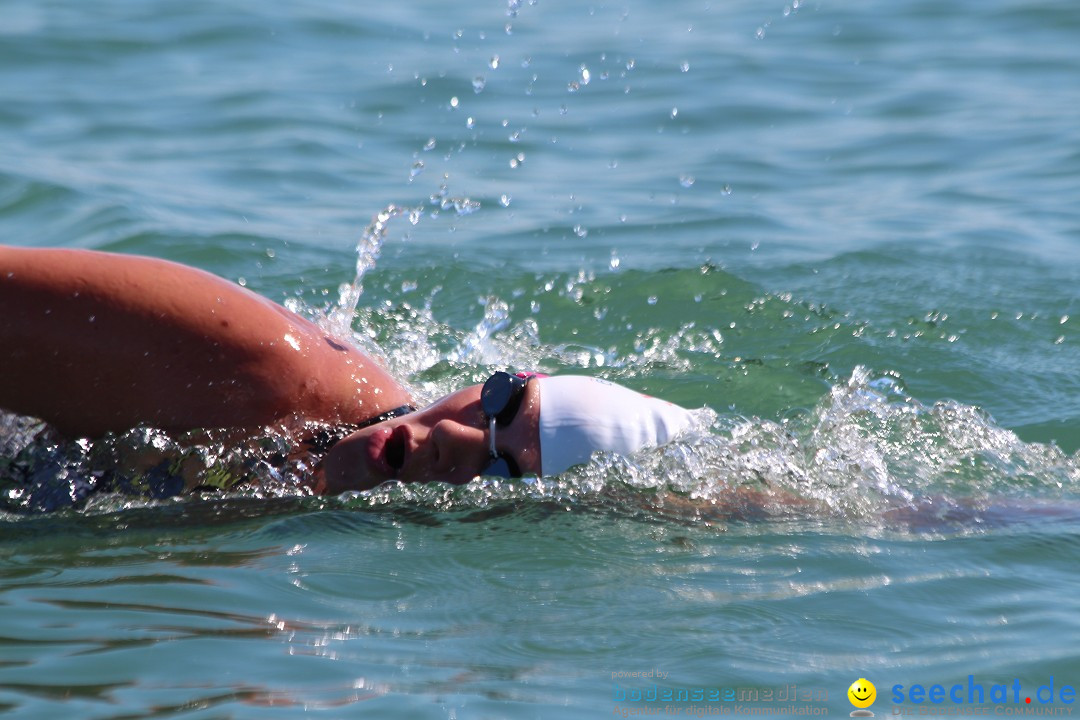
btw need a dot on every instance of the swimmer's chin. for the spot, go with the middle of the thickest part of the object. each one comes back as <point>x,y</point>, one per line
<point>345,468</point>
<point>329,482</point>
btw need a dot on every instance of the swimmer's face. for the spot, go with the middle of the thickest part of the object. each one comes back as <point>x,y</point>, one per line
<point>446,441</point>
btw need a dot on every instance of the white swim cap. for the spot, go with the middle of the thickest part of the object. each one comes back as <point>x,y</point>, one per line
<point>581,415</point>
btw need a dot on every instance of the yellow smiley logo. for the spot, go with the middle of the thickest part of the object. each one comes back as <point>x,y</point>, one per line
<point>862,693</point>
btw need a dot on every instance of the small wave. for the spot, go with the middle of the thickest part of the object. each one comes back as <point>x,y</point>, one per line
<point>867,450</point>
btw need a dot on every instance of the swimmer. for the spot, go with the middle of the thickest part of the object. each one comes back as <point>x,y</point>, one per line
<point>95,342</point>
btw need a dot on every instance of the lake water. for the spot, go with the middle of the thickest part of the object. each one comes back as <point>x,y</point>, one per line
<point>849,230</point>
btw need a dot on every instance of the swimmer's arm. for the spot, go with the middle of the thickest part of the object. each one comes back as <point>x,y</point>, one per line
<point>93,341</point>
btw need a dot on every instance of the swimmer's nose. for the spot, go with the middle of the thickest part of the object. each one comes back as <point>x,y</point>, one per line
<point>460,451</point>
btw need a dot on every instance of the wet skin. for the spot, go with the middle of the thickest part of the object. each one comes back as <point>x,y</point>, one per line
<point>446,441</point>
<point>95,342</point>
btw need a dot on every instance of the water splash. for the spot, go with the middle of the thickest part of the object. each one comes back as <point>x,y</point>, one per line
<point>868,448</point>
<point>478,347</point>
<point>368,249</point>
<point>866,452</point>
<point>339,319</point>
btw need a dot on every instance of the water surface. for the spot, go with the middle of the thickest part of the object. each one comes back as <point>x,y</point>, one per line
<point>850,233</point>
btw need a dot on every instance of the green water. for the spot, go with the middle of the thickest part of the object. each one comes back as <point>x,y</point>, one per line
<point>847,233</point>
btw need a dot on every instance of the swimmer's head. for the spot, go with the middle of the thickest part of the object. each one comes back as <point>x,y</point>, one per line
<point>449,441</point>
<point>583,415</point>
<point>558,422</point>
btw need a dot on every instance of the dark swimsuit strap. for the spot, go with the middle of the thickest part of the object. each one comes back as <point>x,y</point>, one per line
<point>389,414</point>
<point>325,439</point>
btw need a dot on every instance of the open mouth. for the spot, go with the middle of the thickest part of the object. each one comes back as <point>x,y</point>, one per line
<point>394,450</point>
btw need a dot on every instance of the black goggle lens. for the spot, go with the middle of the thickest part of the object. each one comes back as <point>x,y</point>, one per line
<point>501,398</point>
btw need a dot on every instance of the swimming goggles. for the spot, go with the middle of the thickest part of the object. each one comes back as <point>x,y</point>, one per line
<point>500,398</point>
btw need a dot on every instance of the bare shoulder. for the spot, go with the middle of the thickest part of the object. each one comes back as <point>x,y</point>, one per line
<point>103,341</point>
